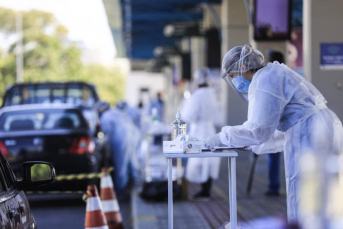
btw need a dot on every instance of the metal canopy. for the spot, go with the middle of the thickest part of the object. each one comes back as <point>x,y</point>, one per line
<point>137,25</point>
<point>144,21</point>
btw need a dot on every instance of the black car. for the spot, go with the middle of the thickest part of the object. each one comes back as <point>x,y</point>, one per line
<point>57,133</point>
<point>14,208</point>
<point>80,94</point>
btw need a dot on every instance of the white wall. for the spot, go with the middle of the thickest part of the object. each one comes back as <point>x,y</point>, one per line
<point>140,79</point>
<point>323,24</point>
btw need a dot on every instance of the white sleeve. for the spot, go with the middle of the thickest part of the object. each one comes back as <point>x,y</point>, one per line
<point>264,114</point>
<point>274,145</point>
<point>190,110</point>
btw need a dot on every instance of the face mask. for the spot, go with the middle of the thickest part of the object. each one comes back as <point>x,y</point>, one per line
<point>241,84</point>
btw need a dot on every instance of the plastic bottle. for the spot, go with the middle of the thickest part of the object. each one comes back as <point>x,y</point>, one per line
<point>178,127</point>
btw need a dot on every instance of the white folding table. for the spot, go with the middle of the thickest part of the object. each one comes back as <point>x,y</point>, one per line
<point>231,154</point>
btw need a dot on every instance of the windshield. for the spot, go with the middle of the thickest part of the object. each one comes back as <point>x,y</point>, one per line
<point>41,120</point>
<point>78,94</point>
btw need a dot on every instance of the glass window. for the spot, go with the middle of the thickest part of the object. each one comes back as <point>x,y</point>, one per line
<point>28,95</point>
<point>41,120</point>
<point>58,95</point>
<point>41,94</point>
<point>16,97</point>
<point>74,95</point>
<point>2,182</point>
<point>79,94</point>
<point>6,175</point>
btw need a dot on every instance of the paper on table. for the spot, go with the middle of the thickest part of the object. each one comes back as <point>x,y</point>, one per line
<point>223,148</point>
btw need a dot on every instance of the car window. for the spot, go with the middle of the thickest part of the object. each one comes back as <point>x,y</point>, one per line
<point>2,182</point>
<point>41,94</point>
<point>79,94</point>
<point>41,120</point>
<point>58,95</point>
<point>6,175</point>
<point>29,95</point>
<point>15,96</point>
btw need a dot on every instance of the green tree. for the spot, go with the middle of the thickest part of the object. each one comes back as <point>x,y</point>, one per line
<point>109,81</point>
<point>48,57</point>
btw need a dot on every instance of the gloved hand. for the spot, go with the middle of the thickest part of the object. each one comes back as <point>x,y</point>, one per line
<point>212,141</point>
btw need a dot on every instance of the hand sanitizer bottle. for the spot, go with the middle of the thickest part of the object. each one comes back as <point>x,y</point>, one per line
<point>178,127</point>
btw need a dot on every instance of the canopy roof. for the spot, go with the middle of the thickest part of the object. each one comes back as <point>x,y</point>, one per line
<point>137,25</point>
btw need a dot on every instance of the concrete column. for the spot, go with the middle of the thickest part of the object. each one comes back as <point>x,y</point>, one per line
<point>171,95</point>
<point>197,53</point>
<point>322,23</point>
<point>235,32</point>
<point>185,44</point>
<point>211,15</point>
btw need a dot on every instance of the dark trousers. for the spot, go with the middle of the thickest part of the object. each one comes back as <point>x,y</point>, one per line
<point>274,172</point>
<point>206,186</point>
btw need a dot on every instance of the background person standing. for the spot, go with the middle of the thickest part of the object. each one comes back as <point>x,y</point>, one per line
<point>202,112</point>
<point>274,158</point>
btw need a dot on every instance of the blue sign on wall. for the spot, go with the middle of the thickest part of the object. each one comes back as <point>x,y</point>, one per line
<point>331,56</point>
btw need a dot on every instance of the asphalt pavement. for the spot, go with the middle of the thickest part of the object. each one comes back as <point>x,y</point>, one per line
<point>213,214</point>
<point>58,211</point>
<point>65,211</point>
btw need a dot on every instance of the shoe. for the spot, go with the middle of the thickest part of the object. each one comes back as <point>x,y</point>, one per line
<point>271,194</point>
<point>201,196</point>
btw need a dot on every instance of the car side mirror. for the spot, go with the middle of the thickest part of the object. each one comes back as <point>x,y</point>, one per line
<point>36,173</point>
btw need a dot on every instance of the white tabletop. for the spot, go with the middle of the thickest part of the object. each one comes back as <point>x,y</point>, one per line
<point>205,154</point>
<point>220,152</point>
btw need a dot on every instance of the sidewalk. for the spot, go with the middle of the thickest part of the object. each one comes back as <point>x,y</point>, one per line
<point>214,213</point>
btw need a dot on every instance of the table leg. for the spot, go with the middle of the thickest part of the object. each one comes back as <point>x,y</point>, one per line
<point>170,194</point>
<point>147,164</point>
<point>232,190</point>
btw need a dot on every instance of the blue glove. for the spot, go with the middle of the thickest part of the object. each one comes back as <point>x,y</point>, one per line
<point>212,142</point>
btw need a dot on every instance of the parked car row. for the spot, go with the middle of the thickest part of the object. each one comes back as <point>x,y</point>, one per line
<point>54,122</point>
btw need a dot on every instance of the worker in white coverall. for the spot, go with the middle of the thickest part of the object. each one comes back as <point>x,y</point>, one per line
<point>279,99</point>
<point>202,112</point>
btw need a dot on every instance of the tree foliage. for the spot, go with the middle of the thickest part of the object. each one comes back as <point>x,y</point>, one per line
<point>49,56</point>
<point>112,88</point>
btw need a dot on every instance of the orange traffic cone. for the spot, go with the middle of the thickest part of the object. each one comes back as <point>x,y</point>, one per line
<point>109,202</point>
<point>95,218</point>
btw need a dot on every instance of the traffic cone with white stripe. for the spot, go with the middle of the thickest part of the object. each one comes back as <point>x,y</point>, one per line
<point>109,202</point>
<point>95,218</point>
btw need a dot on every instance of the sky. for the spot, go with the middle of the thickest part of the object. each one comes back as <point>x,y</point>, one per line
<point>86,21</point>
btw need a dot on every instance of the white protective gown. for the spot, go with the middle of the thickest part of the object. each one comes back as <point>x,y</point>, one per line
<point>202,111</point>
<point>281,99</point>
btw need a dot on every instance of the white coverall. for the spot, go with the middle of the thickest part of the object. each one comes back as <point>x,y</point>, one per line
<point>281,99</point>
<point>202,111</point>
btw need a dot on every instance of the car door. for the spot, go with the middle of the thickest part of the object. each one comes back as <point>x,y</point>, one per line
<point>5,222</point>
<point>15,203</point>
<point>9,217</point>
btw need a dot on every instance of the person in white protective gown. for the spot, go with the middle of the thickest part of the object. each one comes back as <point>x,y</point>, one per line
<point>202,112</point>
<point>279,99</point>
